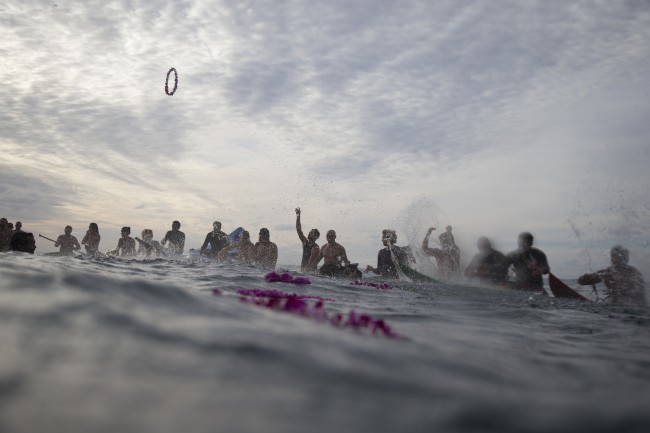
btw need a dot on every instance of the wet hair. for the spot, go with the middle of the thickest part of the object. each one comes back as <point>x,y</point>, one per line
<point>18,225</point>
<point>147,232</point>
<point>177,224</point>
<point>216,223</point>
<point>390,235</point>
<point>126,229</point>
<point>526,237</point>
<point>244,234</point>
<point>316,232</point>
<point>19,241</point>
<point>93,226</point>
<point>622,252</point>
<point>67,228</point>
<point>264,231</point>
<point>331,232</point>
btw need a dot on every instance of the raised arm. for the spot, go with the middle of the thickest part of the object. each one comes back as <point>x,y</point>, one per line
<point>425,241</point>
<point>301,235</point>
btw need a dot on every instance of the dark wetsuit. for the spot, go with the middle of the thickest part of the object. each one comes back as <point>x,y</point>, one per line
<point>176,240</point>
<point>216,240</point>
<point>488,267</point>
<point>385,265</point>
<point>306,253</point>
<point>520,262</point>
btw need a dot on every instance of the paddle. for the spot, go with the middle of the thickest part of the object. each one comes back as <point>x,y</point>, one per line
<point>53,241</point>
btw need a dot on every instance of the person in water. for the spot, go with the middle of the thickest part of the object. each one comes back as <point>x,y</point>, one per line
<point>623,282</point>
<point>385,265</point>
<point>266,252</point>
<point>447,256</point>
<point>245,249</point>
<point>126,244</point>
<point>529,264</point>
<point>216,239</point>
<point>335,259</point>
<point>91,239</point>
<point>5,235</point>
<point>176,239</point>
<point>19,227</point>
<point>24,242</point>
<point>488,265</point>
<point>67,243</point>
<point>310,249</point>
<point>147,249</point>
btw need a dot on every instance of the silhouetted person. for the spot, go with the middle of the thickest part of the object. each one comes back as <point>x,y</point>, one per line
<point>335,259</point>
<point>19,227</point>
<point>266,252</point>
<point>216,239</point>
<point>310,249</point>
<point>147,249</point>
<point>23,242</point>
<point>91,240</point>
<point>624,283</point>
<point>126,244</point>
<point>67,243</point>
<point>529,264</point>
<point>5,235</point>
<point>176,239</point>
<point>447,256</point>
<point>488,265</point>
<point>245,249</point>
<point>385,264</point>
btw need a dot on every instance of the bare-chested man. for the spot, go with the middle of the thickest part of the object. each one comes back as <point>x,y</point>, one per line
<point>335,259</point>
<point>126,244</point>
<point>266,252</point>
<point>245,249</point>
<point>67,243</point>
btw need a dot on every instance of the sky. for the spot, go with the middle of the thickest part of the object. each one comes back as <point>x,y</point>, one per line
<point>495,117</point>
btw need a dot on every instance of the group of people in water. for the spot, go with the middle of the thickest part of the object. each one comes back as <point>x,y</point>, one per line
<point>624,283</point>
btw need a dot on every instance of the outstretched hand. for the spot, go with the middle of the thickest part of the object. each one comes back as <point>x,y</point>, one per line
<point>430,230</point>
<point>298,211</point>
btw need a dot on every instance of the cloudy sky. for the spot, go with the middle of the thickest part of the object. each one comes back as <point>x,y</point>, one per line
<point>493,116</point>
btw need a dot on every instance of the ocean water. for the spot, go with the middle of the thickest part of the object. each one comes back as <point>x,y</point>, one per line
<point>147,346</point>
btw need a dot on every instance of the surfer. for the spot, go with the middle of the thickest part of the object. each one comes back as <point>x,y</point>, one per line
<point>488,265</point>
<point>5,235</point>
<point>176,239</point>
<point>24,242</point>
<point>126,244</point>
<point>529,264</point>
<point>624,283</point>
<point>216,239</point>
<point>91,239</point>
<point>67,243</point>
<point>19,227</point>
<point>385,265</point>
<point>245,249</point>
<point>266,252</point>
<point>335,259</point>
<point>447,256</point>
<point>310,249</point>
<point>146,248</point>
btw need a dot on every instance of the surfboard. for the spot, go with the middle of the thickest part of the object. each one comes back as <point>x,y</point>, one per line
<point>156,246</point>
<point>561,290</point>
<point>417,276</point>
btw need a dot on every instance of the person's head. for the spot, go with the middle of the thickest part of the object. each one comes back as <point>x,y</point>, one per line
<point>483,244</point>
<point>619,255</point>
<point>67,230</point>
<point>215,225</point>
<point>19,225</point>
<point>24,242</point>
<point>313,234</point>
<point>264,234</point>
<point>388,236</point>
<point>3,223</point>
<point>10,225</point>
<point>147,234</point>
<point>126,231</point>
<point>331,236</point>
<point>525,241</point>
<point>93,227</point>
<point>448,229</point>
<point>176,225</point>
<point>245,235</point>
